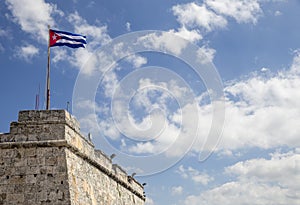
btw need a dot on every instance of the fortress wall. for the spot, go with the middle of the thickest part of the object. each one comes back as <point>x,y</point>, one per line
<point>46,160</point>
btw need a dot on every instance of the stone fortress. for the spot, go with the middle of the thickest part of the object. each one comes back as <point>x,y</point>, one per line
<point>46,160</point>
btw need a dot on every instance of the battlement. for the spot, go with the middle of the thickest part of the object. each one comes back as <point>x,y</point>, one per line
<point>36,125</point>
<point>49,143</point>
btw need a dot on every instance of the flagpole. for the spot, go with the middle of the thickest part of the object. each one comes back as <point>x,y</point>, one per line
<point>48,73</point>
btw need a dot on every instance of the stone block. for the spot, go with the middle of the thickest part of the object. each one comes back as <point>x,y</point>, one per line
<point>15,198</point>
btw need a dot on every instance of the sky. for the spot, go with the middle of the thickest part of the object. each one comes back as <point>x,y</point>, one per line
<point>199,98</point>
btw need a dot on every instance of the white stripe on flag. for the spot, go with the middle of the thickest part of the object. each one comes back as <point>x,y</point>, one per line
<point>68,41</point>
<point>73,37</point>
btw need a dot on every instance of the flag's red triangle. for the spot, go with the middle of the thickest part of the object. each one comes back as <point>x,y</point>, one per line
<point>53,38</point>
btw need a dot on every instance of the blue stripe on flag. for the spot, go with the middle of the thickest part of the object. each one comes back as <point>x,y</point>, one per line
<point>67,33</point>
<point>70,45</point>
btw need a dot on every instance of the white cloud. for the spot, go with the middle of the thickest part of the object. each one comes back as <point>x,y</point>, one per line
<point>243,11</point>
<point>282,168</point>
<point>206,54</point>
<point>109,129</point>
<point>90,122</point>
<point>166,137</point>
<point>88,105</point>
<point>278,13</point>
<point>91,4</point>
<point>295,68</point>
<point>226,154</point>
<point>110,81</point>
<point>160,123</point>
<point>176,190</point>
<point>267,105</point>
<point>264,69</point>
<point>259,181</point>
<point>88,118</point>
<point>26,52</point>
<point>149,201</point>
<point>264,104</point>
<point>190,35</point>
<point>58,54</point>
<point>192,15</point>
<point>197,19</point>
<point>96,35</point>
<point>33,16</point>
<point>121,49</point>
<point>128,26</point>
<point>163,42</point>
<point>170,133</point>
<point>244,193</point>
<point>194,175</point>
<point>136,60</point>
<point>4,33</point>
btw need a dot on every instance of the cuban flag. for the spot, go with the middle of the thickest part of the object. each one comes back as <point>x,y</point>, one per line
<point>62,38</point>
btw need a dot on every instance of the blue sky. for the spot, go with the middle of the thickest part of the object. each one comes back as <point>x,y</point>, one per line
<point>148,106</point>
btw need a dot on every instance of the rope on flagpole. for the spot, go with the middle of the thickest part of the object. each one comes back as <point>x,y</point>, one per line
<point>48,73</point>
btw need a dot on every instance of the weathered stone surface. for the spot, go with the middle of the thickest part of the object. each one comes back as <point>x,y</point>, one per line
<point>46,160</point>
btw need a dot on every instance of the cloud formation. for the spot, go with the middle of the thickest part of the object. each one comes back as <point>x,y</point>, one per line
<point>192,15</point>
<point>26,52</point>
<point>176,190</point>
<point>263,102</point>
<point>243,11</point>
<point>194,175</point>
<point>258,181</point>
<point>198,19</point>
<point>33,16</point>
